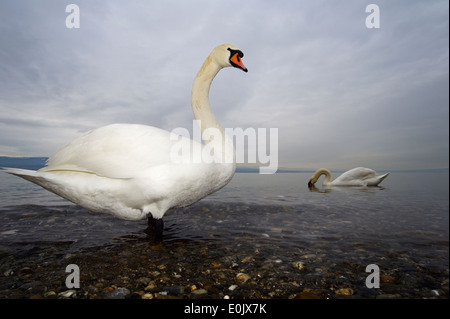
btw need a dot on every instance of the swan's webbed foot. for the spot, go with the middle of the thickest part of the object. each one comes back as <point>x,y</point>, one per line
<point>155,229</point>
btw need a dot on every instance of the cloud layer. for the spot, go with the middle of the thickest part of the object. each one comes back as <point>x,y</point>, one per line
<point>340,94</point>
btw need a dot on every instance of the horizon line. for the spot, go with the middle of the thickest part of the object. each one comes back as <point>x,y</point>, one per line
<point>247,169</point>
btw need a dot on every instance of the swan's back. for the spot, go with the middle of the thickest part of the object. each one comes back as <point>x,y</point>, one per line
<point>114,151</point>
<point>359,176</point>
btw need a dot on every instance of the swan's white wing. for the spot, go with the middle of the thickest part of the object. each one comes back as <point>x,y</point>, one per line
<point>116,151</point>
<point>355,175</point>
<point>360,176</point>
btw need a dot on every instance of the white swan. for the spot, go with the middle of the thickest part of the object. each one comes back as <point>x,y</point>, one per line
<point>359,176</point>
<point>128,170</point>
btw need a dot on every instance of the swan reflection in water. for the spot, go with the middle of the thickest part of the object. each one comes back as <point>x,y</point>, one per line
<point>329,189</point>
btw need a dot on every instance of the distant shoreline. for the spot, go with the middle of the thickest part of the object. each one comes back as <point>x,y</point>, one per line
<point>38,162</point>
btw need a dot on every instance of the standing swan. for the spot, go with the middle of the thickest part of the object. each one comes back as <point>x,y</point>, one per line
<point>359,176</point>
<point>130,170</point>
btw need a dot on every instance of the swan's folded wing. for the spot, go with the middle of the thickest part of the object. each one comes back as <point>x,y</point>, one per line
<point>116,151</point>
<point>356,174</point>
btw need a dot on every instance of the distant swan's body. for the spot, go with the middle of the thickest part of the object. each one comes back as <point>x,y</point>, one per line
<point>359,176</point>
<point>129,170</point>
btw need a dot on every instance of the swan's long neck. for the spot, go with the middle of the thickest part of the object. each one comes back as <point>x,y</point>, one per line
<point>200,95</point>
<point>320,172</point>
<point>203,114</point>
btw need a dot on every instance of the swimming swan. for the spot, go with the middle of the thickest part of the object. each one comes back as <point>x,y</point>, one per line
<point>359,176</point>
<point>130,171</point>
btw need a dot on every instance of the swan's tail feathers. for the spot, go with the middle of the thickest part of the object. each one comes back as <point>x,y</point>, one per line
<point>377,180</point>
<point>32,176</point>
<point>383,177</point>
<point>19,171</point>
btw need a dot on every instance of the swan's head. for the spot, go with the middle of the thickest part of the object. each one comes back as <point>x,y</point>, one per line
<point>227,55</point>
<point>317,174</point>
<point>313,180</point>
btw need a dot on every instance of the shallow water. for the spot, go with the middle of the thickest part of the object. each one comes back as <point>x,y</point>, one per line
<point>270,220</point>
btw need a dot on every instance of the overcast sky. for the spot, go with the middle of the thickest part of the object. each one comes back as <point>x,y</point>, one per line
<point>341,95</point>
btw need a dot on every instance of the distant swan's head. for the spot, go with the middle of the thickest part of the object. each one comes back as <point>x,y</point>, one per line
<point>316,176</point>
<point>227,55</point>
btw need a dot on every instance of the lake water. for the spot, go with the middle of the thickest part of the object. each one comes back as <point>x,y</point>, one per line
<point>402,225</point>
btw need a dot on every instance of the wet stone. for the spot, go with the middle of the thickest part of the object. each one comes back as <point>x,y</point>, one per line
<point>173,290</point>
<point>344,291</point>
<point>67,294</point>
<point>300,265</point>
<point>119,293</point>
<point>309,294</point>
<point>199,292</point>
<point>143,281</point>
<point>385,279</point>
<point>243,278</point>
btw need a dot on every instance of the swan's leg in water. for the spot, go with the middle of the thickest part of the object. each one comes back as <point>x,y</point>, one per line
<point>155,228</point>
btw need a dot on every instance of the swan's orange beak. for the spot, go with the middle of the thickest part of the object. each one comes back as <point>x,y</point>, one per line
<point>236,61</point>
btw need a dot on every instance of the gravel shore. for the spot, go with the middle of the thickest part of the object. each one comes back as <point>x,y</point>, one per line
<point>133,267</point>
